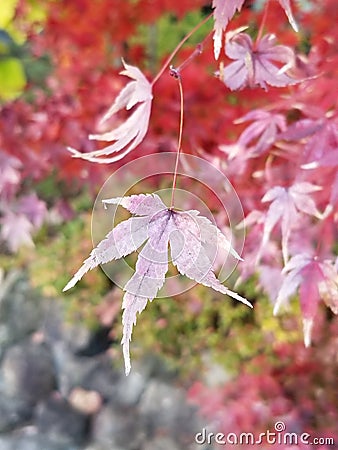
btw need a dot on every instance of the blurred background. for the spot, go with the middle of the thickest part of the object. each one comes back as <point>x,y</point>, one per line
<point>199,360</point>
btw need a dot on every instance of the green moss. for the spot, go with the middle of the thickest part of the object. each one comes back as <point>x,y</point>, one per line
<point>161,38</point>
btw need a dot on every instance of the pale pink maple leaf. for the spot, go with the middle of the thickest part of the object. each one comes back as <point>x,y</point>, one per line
<point>33,208</point>
<point>315,280</point>
<point>16,230</point>
<point>300,129</point>
<point>261,63</point>
<point>285,4</point>
<point>286,203</point>
<point>262,133</point>
<point>191,239</point>
<point>321,141</point>
<point>137,94</point>
<point>9,170</point>
<point>269,280</point>
<point>321,149</point>
<point>328,287</point>
<point>223,12</point>
<point>334,191</point>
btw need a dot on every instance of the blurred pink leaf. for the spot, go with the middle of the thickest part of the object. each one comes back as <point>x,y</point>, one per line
<point>136,95</point>
<point>270,279</point>
<point>300,129</point>
<point>16,230</point>
<point>192,239</point>
<point>223,12</point>
<point>33,208</point>
<point>328,287</point>
<point>321,149</point>
<point>9,170</point>
<point>285,4</point>
<point>315,280</point>
<point>285,205</point>
<point>261,63</point>
<point>264,129</point>
<point>334,191</point>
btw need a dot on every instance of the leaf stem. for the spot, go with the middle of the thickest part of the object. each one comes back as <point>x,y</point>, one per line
<point>262,24</point>
<point>178,47</point>
<point>179,143</point>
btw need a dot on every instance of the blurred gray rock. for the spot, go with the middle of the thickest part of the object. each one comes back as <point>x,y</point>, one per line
<point>104,379</point>
<point>28,371</point>
<point>20,309</point>
<point>161,443</point>
<point>23,441</point>
<point>118,429</point>
<point>13,412</point>
<point>71,371</point>
<point>165,407</point>
<point>60,422</point>
<point>6,443</point>
<point>96,446</point>
<point>59,389</point>
<point>76,336</point>
<point>129,389</point>
<point>153,367</point>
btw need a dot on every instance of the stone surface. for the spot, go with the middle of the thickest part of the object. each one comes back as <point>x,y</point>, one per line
<point>129,389</point>
<point>58,420</point>
<point>71,371</point>
<point>20,310</point>
<point>161,443</point>
<point>119,428</point>
<point>6,442</point>
<point>32,442</point>
<point>164,407</point>
<point>13,412</point>
<point>59,389</point>
<point>96,446</point>
<point>28,371</point>
<point>103,379</point>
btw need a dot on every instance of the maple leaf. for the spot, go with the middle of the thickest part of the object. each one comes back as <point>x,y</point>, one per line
<point>258,63</point>
<point>285,204</point>
<point>264,129</point>
<point>315,280</point>
<point>16,230</point>
<point>9,173</point>
<point>321,150</point>
<point>33,208</point>
<point>223,12</point>
<point>136,94</point>
<point>321,146</point>
<point>285,4</point>
<point>193,240</point>
<point>301,129</point>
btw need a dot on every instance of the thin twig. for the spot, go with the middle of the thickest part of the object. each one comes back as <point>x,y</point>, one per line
<point>262,24</point>
<point>179,143</point>
<point>171,56</point>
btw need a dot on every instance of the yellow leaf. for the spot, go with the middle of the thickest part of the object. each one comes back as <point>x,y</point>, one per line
<point>7,11</point>
<point>12,78</point>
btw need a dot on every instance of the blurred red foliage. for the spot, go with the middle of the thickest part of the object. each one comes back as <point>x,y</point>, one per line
<point>85,41</point>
